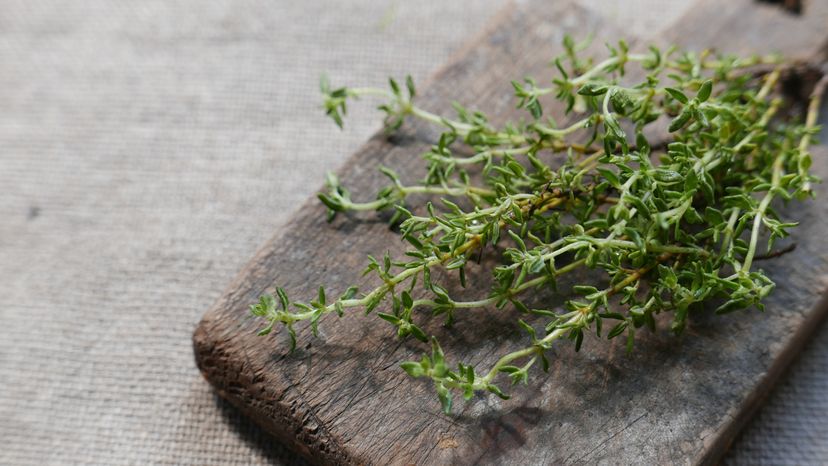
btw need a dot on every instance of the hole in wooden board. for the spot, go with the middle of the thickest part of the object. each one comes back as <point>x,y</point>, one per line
<point>797,83</point>
<point>791,6</point>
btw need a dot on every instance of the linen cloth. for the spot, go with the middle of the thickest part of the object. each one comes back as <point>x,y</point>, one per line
<point>146,150</point>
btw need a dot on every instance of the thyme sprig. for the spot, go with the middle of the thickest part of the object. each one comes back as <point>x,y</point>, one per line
<point>668,224</point>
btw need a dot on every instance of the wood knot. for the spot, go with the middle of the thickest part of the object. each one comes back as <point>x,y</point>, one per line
<point>447,442</point>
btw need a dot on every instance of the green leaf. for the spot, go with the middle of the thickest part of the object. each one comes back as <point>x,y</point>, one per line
<point>292,335</point>
<point>705,90</point>
<point>412,368</point>
<point>620,101</point>
<point>535,108</point>
<point>529,329</point>
<point>713,216</point>
<point>593,89</point>
<point>395,88</point>
<point>509,369</point>
<point>518,240</point>
<point>330,202</point>
<point>679,122</point>
<point>692,216</point>
<point>413,241</point>
<point>265,306</point>
<point>497,391</point>
<point>389,317</point>
<point>609,176</point>
<point>617,330</point>
<point>561,69</point>
<point>321,296</point>
<point>266,330</point>
<point>456,263</point>
<point>667,176</point>
<point>613,127</point>
<point>418,333</point>
<point>677,94</point>
<point>520,306</point>
<point>584,289</point>
<point>691,181</point>
<point>437,356</point>
<point>350,292</point>
<point>409,83</point>
<point>642,145</point>
<point>407,302</point>
<point>495,232</point>
<point>519,376</point>
<point>544,361</point>
<point>732,305</point>
<point>324,84</point>
<point>283,298</point>
<point>445,398</point>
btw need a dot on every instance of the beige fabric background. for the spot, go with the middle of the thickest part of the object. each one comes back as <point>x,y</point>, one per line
<point>146,150</point>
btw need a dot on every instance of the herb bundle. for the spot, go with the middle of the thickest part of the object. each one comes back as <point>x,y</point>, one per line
<point>669,222</point>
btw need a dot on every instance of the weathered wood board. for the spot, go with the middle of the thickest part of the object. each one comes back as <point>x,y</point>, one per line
<point>342,399</point>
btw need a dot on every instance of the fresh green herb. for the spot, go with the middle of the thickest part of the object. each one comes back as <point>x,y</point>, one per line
<point>670,222</point>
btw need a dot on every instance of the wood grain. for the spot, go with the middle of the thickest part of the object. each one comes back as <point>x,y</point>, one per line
<point>341,399</point>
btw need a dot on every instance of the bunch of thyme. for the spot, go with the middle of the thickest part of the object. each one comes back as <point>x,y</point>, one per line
<point>668,224</point>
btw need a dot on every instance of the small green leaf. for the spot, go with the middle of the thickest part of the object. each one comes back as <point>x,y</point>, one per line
<point>529,329</point>
<point>445,398</point>
<point>520,306</point>
<point>732,305</point>
<point>679,122</point>
<point>266,330</point>
<point>630,338</point>
<point>691,181</point>
<point>321,296</point>
<point>677,94</point>
<point>592,89</point>
<point>667,176</point>
<point>705,90</point>
<point>584,289</point>
<point>407,302</point>
<point>330,202</point>
<point>292,335</point>
<point>389,317</point>
<point>412,368</point>
<point>518,240</point>
<point>409,83</point>
<point>418,333</point>
<point>617,330</point>
<point>497,391</point>
<point>395,88</point>
<point>283,298</point>
<point>609,176</point>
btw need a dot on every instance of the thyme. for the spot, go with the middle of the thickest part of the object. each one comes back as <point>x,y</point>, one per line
<point>668,225</point>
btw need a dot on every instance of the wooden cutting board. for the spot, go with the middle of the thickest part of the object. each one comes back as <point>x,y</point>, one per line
<point>342,398</point>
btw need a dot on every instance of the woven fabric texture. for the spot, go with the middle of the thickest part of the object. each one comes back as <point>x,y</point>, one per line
<point>146,150</point>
